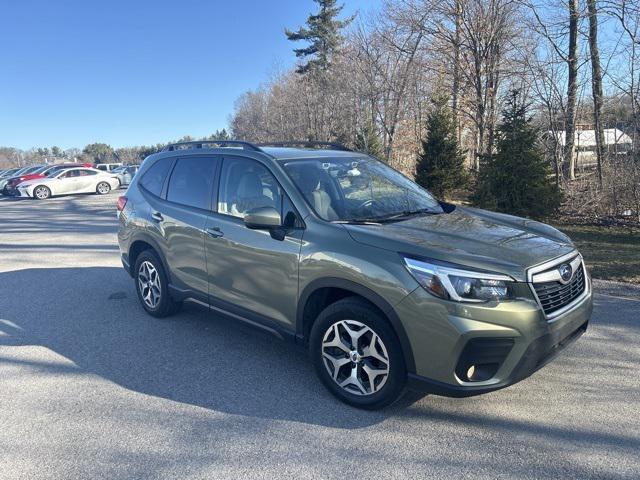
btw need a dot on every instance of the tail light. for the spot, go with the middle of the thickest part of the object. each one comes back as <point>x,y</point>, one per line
<point>122,202</point>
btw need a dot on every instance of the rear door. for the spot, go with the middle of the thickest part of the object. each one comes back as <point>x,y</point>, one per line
<point>181,215</point>
<point>252,271</point>
<point>86,181</point>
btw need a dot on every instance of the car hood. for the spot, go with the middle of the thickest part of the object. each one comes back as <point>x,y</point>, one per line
<point>33,181</point>
<point>470,237</point>
<point>25,178</point>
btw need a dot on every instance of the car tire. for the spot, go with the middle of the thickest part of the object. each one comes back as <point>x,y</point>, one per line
<point>380,372</point>
<point>152,286</point>
<point>41,192</point>
<point>103,188</point>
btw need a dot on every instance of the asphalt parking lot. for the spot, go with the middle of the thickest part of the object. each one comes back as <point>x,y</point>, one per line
<point>92,387</point>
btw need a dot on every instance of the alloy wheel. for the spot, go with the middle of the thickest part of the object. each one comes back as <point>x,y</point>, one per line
<point>41,193</point>
<point>103,188</point>
<point>149,283</point>
<point>355,357</point>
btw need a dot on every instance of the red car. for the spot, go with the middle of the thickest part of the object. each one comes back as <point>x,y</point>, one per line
<point>11,188</point>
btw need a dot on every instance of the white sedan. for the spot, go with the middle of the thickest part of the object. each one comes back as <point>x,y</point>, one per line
<point>68,181</point>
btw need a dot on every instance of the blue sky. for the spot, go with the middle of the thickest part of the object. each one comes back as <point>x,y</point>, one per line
<point>136,72</point>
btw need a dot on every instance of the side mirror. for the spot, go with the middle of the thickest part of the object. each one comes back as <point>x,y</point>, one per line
<point>264,218</point>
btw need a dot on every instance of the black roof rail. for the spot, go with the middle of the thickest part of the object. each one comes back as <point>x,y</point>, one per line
<point>307,144</point>
<point>218,143</point>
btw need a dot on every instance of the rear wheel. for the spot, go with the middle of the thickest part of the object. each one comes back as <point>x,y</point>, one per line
<point>41,192</point>
<point>152,286</point>
<point>357,355</point>
<point>103,188</point>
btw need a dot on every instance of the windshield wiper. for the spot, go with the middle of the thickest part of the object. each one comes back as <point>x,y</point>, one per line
<point>387,218</point>
<point>358,221</point>
<point>406,214</point>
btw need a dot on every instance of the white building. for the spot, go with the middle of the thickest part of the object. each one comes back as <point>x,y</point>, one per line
<point>615,142</point>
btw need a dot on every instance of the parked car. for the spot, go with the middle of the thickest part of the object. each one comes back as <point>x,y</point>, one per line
<point>8,172</point>
<point>125,173</point>
<point>385,285</point>
<point>107,167</point>
<point>11,188</point>
<point>17,174</point>
<point>68,181</point>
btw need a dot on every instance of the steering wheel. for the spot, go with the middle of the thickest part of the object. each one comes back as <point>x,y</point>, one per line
<point>368,204</point>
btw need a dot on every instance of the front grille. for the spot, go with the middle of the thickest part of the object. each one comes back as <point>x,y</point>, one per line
<point>554,295</point>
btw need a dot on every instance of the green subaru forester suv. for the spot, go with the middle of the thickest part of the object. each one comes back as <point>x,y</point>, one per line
<point>388,287</point>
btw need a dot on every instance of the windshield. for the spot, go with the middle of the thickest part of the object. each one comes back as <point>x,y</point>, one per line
<point>53,170</point>
<point>31,170</point>
<point>359,189</point>
<point>9,172</point>
<point>40,169</point>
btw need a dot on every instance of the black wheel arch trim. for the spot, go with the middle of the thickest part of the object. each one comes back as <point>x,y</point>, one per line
<point>146,238</point>
<point>366,293</point>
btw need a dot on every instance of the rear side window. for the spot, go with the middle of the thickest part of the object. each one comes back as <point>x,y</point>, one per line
<point>191,182</point>
<point>153,179</point>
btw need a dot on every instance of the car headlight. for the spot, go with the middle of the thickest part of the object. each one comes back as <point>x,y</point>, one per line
<point>453,283</point>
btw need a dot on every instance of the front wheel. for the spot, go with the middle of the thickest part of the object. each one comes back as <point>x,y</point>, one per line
<point>41,192</point>
<point>103,188</point>
<point>152,286</point>
<point>357,355</point>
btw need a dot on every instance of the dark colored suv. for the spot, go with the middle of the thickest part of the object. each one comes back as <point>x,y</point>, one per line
<point>387,286</point>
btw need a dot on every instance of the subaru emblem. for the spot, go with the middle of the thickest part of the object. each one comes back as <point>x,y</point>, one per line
<point>566,272</point>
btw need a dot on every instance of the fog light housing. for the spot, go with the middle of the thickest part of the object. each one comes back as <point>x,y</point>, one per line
<point>481,358</point>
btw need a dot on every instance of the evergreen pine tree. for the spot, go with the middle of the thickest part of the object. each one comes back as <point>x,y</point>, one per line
<point>219,135</point>
<point>323,33</point>
<point>367,141</point>
<point>440,167</point>
<point>517,179</point>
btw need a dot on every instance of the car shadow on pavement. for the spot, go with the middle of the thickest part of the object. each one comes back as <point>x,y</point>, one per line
<point>92,317</point>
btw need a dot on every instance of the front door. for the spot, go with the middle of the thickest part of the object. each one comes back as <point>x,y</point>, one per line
<point>255,271</point>
<point>66,183</point>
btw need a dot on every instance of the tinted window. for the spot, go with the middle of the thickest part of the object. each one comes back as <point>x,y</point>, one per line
<point>84,173</point>
<point>191,181</point>
<point>153,179</point>
<point>245,185</point>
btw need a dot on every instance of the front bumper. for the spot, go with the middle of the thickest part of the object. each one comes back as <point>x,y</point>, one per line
<point>540,352</point>
<point>440,331</point>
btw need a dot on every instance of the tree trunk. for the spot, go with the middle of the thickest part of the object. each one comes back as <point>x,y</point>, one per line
<point>479,113</point>
<point>456,68</point>
<point>596,84</point>
<point>572,92</point>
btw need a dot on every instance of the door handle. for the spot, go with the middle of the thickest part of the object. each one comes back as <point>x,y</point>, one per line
<point>157,216</point>
<point>215,232</point>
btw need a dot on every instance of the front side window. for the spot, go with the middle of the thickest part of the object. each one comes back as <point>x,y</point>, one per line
<point>358,189</point>
<point>70,174</point>
<point>85,173</point>
<point>153,179</point>
<point>191,181</point>
<point>246,184</point>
